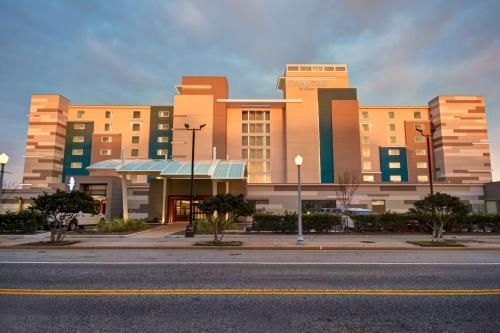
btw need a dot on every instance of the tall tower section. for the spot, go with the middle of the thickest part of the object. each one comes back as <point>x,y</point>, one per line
<point>44,157</point>
<point>460,139</point>
<point>324,127</point>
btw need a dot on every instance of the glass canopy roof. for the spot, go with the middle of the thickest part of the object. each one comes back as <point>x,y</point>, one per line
<point>213,169</point>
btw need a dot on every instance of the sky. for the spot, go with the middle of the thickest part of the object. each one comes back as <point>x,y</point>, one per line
<point>134,52</point>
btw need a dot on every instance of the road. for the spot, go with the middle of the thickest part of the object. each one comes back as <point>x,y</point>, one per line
<point>249,291</point>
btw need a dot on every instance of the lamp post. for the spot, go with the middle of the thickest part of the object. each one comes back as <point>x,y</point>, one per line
<point>300,238</point>
<point>4,158</point>
<point>429,170</point>
<point>190,227</point>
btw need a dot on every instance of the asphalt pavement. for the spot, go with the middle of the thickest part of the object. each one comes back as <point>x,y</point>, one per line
<point>249,291</point>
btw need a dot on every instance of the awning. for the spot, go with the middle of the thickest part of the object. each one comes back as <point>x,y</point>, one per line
<point>210,169</point>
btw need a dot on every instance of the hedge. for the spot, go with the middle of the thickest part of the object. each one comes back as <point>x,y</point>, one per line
<point>398,222</point>
<point>24,221</point>
<point>287,222</point>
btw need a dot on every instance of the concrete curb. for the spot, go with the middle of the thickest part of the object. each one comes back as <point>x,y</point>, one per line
<point>248,248</point>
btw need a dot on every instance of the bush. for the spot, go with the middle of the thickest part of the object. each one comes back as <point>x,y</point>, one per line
<point>202,225</point>
<point>24,221</point>
<point>287,222</point>
<point>119,225</point>
<point>366,223</point>
<point>390,221</point>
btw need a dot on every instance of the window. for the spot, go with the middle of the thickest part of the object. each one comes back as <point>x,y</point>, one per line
<point>133,179</point>
<point>390,114</point>
<point>364,114</point>
<point>79,126</point>
<point>108,114</point>
<point>394,152</point>
<point>80,114</point>
<point>134,152</point>
<point>162,139</point>
<point>368,178</point>
<point>136,127</point>
<point>259,166</point>
<point>421,165</point>
<point>392,127</point>
<point>105,152</point>
<point>161,152</point>
<point>76,165</point>
<point>107,127</point>
<point>392,139</point>
<point>106,139</point>
<point>365,127</point>
<point>394,165</point>
<point>366,152</point>
<point>367,165</point>
<point>244,115</point>
<point>420,138</point>
<point>422,178</point>
<point>365,139</point>
<point>77,152</point>
<point>419,127</point>
<point>164,114</point>
<point>395,178</point>
<point>421,152</point>
<point>78,138</point>
<point>136,114</point>
<point>135,139</point>
<point>163,127</point>
<point>417,115</point>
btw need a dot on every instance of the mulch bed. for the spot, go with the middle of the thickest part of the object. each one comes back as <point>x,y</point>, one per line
<point>442,243</point>
<point>211,243</point>
<point>49,243</point>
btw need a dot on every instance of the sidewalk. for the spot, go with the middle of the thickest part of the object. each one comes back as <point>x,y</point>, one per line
<point>164,237</point>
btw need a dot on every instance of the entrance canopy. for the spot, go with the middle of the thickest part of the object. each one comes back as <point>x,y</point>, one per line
<point>209,169</point>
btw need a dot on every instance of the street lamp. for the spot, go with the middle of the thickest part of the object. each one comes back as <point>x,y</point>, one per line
<point>190,227</point>
<point>300,238</point>
<point>4,158</point>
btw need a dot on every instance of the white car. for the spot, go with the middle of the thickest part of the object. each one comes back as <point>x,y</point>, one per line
<point>84,219</point>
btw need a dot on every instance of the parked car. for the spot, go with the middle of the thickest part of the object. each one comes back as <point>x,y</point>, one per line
<point>83,219</point>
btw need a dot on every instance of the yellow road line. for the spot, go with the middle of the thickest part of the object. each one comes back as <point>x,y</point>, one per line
<point>250,292</point>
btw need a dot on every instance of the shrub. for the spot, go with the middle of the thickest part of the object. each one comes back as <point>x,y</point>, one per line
<point>287,222</point>
<point>24,221</point>
<point>119,225</point>
<point>202,225</point>
<point>366,223</point>
<point>395,222</point>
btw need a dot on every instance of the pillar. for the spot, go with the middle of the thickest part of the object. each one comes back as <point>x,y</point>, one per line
<point>124,198</point>
<point>164,203</point>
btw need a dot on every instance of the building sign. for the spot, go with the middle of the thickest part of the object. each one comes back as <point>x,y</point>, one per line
<point>71,184</point>
<point>307,84</point>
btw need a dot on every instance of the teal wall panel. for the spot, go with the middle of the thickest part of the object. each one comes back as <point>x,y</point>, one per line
<point>86,145</point>
<point>325,96</point>
<point>154,133</point>
<point>385,159</point>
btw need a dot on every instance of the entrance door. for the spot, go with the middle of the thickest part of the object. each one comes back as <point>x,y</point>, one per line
<point>378,206</point>
<point>179,208</point>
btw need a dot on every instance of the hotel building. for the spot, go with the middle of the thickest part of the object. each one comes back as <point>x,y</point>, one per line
<point>135,159</point>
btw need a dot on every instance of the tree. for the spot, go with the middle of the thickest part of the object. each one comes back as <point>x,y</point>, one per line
<point>222,211</point>
<point>348,184</point>
<point>438,211</point>
<point>60,208</point>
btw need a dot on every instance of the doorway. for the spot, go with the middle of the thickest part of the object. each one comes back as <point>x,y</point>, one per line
<point>178,208</point>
